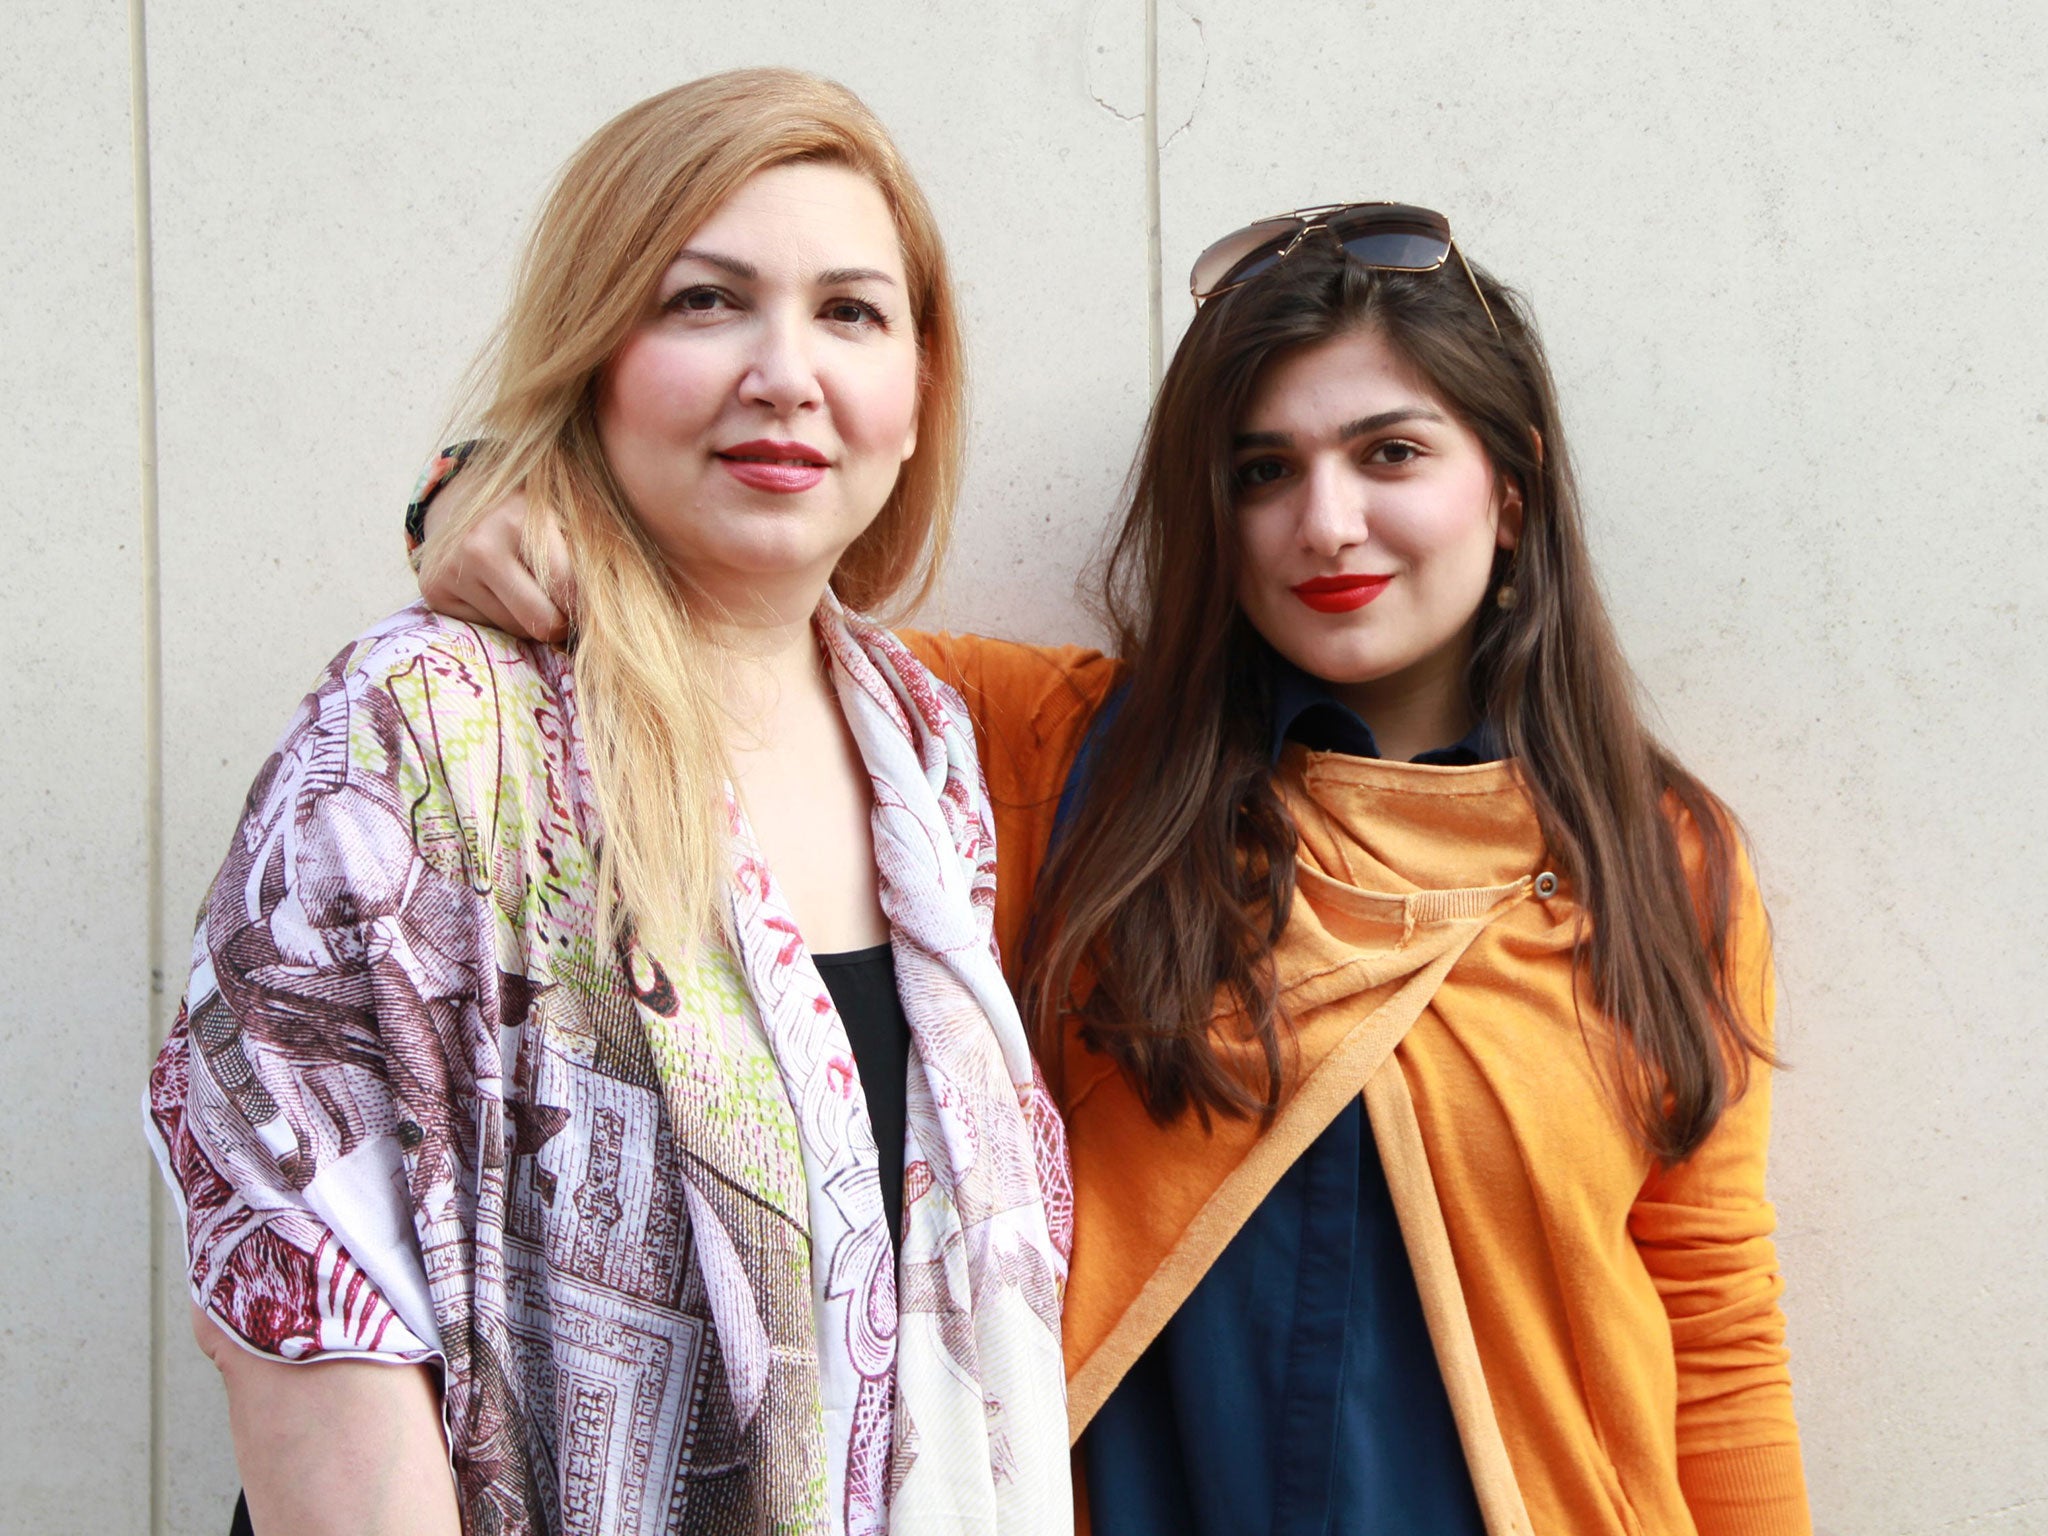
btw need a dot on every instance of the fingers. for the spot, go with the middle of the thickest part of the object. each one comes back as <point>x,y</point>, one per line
<point>561,575</point>
<point>494,592</point>
<point>450,584</point>
<point>527,610</point>
<point>479,578</point>
<point>484,577</point>
<point>455,608</point>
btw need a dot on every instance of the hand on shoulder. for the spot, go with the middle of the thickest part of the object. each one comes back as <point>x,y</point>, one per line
<point>476,569</point>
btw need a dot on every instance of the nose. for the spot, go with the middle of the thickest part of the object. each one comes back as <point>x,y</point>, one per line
<point>782,373</point>
<point>1334,506</point>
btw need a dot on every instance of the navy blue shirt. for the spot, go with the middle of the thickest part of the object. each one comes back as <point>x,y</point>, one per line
<point>1295,1392</point>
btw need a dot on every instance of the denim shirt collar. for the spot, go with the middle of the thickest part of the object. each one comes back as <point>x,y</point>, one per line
<point>1305,710</point>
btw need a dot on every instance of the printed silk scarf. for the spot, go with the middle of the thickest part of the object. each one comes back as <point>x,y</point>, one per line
<point>978,1438</point>
<point>413,1111</point>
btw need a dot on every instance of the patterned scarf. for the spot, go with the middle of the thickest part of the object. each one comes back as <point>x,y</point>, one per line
<point>413,1110</point>
<point>968,1353</point>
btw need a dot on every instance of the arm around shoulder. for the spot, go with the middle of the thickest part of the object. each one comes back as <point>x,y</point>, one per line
<point>1030,704</point>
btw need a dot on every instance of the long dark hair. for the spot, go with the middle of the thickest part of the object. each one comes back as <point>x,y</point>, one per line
<point>1170,887</point>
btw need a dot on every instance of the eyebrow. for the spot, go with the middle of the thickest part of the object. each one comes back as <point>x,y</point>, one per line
<point>1345,433</point>
<point>740,269</point>
<point>748,272</point>
<point>839,276</point>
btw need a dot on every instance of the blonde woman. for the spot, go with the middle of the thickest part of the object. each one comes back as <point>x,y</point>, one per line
<point>596,1079</point>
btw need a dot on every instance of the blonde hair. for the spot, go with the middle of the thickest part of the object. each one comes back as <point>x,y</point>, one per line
<point>646,678</point>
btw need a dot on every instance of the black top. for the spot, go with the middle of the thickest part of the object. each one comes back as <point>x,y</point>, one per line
<point>863,987</point>
<point>1305,710</point>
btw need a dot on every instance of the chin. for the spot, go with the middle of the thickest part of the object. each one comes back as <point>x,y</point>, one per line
<point>1336,658</point>
<point>1347,671</point>
<point>768,547</point>
<point>780,557</point>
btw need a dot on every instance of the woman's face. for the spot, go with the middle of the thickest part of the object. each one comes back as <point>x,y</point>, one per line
<point>1369,516</point>
<point>756,420</point>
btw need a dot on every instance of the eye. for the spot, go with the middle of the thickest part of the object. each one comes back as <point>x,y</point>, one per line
<point>701,299</point>
<point>849,311</point>
<point>1257,474</point>
<point>1395,451</point>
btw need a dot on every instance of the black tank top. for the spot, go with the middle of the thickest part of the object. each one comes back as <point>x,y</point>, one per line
<point>863,987</point>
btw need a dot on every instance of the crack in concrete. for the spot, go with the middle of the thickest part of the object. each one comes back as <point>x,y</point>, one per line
<point>1122,117</point>
<point>1966,1522</point>
<point>1202,36</point>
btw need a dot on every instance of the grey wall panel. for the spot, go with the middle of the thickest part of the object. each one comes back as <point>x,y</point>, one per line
<point>199,1482</point>
<point>74,980</point>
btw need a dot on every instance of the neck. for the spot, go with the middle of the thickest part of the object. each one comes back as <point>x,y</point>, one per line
<point>772,663</point>
<point>1418,709</point>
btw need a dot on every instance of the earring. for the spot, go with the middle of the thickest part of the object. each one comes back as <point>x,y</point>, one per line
<point>1505,596</point>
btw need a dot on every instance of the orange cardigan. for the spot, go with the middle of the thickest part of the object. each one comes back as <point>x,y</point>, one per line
<point>1609,1332</point>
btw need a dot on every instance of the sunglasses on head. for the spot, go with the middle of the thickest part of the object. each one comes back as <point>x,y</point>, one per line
<point>1388,237</point>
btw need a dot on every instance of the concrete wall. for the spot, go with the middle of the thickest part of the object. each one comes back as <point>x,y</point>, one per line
<point>1788,261</point>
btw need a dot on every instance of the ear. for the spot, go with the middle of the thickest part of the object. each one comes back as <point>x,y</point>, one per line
<point>1507,526</point>
<point>1508,530</point>
<point>924,383</point>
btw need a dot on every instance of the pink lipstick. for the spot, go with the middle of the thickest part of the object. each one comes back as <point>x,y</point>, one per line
<point>785,468</point>
<point>1340,594</point>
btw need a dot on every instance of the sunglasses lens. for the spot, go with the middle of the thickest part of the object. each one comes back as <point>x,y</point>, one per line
<point>1401,252</point>
<point>1394,236</point>
<point>1402,238</point>
<point>1221,263</point>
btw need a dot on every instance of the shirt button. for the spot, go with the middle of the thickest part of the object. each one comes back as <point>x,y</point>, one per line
<point>1546,886</point>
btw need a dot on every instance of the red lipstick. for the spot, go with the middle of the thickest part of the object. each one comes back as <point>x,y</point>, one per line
<point>767,465</point>
<point>1340,594</point>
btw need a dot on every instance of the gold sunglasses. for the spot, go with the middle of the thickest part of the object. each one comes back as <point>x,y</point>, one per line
<point>1388,237</point>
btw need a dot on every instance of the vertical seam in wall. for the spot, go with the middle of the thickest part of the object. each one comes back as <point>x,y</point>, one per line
<point>1154,278</point>
<point>152,712</point>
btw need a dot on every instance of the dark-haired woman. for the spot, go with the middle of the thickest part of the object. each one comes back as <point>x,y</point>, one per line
<point>1410,1006</point>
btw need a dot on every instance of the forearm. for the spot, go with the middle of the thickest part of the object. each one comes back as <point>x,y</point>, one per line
<point>338,1447</point>
<point>1755,1491</point>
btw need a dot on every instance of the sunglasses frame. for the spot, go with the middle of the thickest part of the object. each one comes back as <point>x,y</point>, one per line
<point>1312,219</point>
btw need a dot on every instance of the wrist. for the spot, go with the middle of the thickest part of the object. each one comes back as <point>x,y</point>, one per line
<point>433,480</point>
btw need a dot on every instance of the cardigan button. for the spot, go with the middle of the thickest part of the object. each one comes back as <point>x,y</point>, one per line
<point>1546,886</point>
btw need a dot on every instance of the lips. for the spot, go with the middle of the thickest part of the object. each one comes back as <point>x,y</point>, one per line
<point>1340,594</point>
<point>765,465</point>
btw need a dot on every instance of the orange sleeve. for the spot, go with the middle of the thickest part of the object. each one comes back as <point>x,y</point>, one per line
<point>1704,1231</point>
<point>1031,706</point>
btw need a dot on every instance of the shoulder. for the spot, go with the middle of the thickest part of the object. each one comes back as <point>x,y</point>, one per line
<point>1031,706</point>
<point>419,682</point>
<point>1041,687</point>
<point>1713,845</point>
<point>416,642</point>
<point>1714,851</point>
<point>1034,670</point>
<point>430,725</point>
